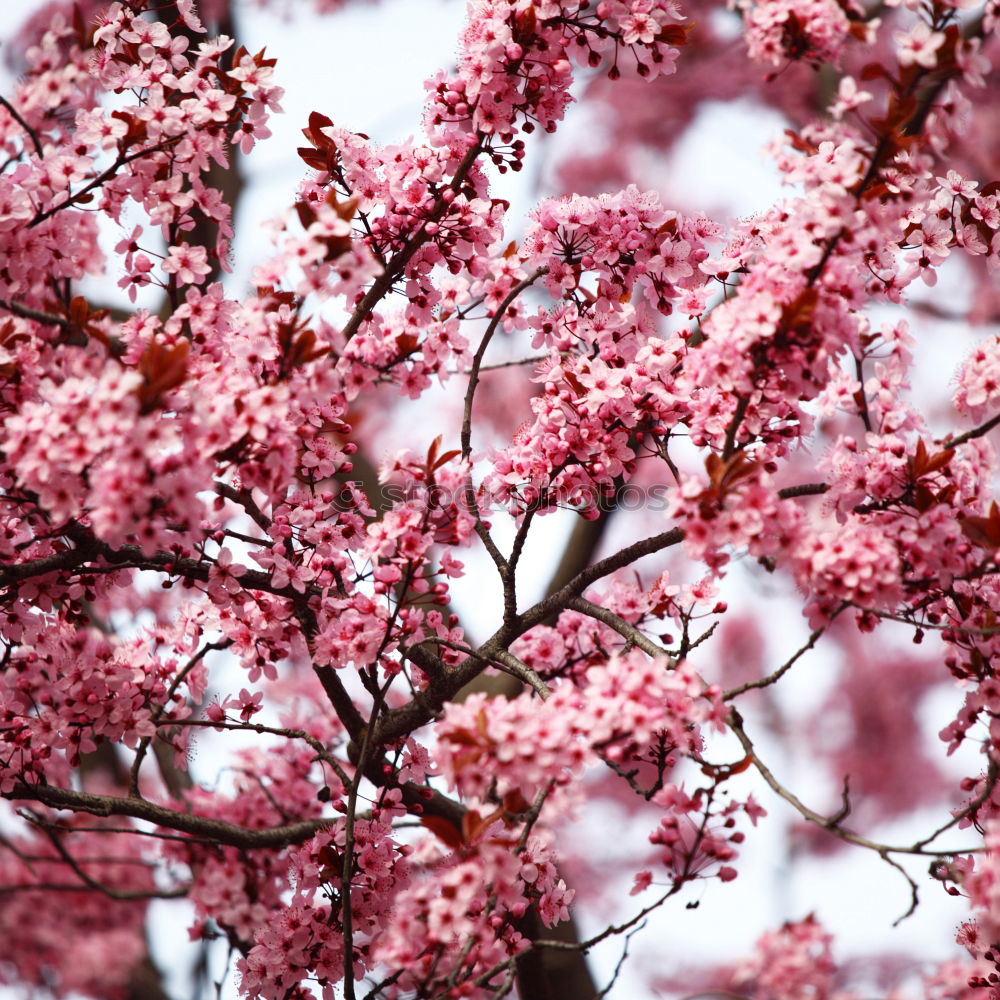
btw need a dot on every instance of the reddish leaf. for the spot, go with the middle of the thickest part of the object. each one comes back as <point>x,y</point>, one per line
<point>433,450</point>
<point>474,825</point>
<point>922,463</point>
<point>984,531</point>
<point>163,368</point>
<point>306,214</point>
<point>675,34</point>
<point>514,802</point>
<point>444,830</point>
<point>446,457</point>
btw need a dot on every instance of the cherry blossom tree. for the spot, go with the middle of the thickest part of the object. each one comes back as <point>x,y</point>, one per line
<point>197,549</point>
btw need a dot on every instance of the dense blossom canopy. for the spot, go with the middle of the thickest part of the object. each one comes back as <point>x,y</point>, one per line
<point>195,545</point>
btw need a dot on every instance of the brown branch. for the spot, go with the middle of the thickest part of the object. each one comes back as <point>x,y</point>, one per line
<point>88,548</point>
<point>384,282</point>
<point>27,312</point>
<point>443,687</point>
<point>776,675</point>
<point>970,809</point>
<point>742,402</point>
<point>625,629</point>
<point>624,557</point>
<point>976,432</point>
<point>68,559</point>
<point>29,131</point>
<point>244,500</point>
<point>804,490</point>
<point>612,929</point>
<point>201,826</point>
<point>511,665</point>
<point>90,882</point>
<point>830,824</point>
<point>12,888</point>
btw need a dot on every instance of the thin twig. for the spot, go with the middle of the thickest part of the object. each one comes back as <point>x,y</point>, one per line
<point>914,891</point>
<point>132,831</point>
<point>202,826</point>
<point>976,432</point>
<point>29,131</point>
<point>618,624</point>
<point>497,365</point>
<point>776,675</point>
<point>516,668</point>
<point>255,727</point>
<point>347,872</point>
<point>735,722</point>
<point>466,435</point>
<point>609,931</point>
<point>970,809</point>
<point>140,753</point>
<point>27,312</point>
<point>105,890</point>
<point>621,962</point>
<point>121,161</point>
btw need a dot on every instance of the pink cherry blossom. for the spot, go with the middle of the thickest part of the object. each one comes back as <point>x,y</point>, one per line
<point>284,633</point>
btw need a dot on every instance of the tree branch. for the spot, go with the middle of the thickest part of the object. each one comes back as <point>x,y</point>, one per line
<point>200,826</point>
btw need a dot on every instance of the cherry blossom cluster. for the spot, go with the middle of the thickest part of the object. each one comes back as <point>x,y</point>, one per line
<point>515,62</point>
<point>618,244</point>
<point>797,962</point>
<point>597,414</point>
<point>420,911</point>
<point>302,938</point>
<point>399,191</point>
<point>857,564</point>
<point>97,418</point>
<point>89,944</point>
<point>981,936</point>
<point>696,836</point>
<point>153,153</point>
<point>613,711</point>
<point>444,936</point>
<point>978,381</point>
<point>796,311</point>
<point>954,217</point>
<point>815,31</point>
<point>193,483</point>
<point>112,692</point>
<point>737,508</point>
<point>793,963</point>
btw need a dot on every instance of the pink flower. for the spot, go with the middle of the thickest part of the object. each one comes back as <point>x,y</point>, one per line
<point>918,46</point>
<point>188,263</point>
<point>248,704</point>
